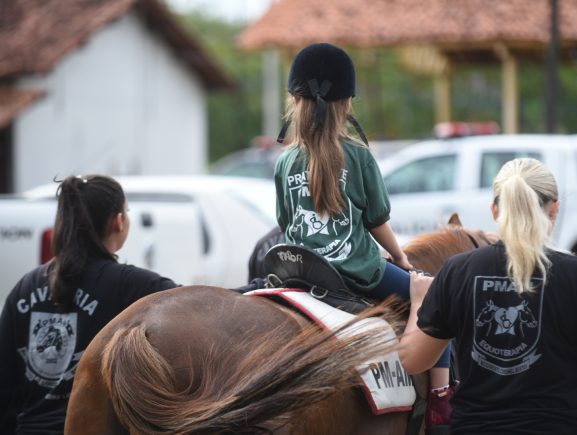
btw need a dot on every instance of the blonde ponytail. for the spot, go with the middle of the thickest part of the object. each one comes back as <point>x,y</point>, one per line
<point>522,190</point>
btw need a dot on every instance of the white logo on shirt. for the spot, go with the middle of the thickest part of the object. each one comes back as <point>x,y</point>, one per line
<point>331,233</point>
<point>51,344</point>
<point>510,320</point>
<point>506,327</point>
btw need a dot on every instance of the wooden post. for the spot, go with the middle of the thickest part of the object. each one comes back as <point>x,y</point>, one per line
<point>552,69</point>
<point>509,90</point>
<point>271,98</point>
<point>442,88</point>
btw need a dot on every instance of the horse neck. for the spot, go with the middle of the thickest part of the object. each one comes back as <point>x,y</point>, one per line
<point>429,251</point>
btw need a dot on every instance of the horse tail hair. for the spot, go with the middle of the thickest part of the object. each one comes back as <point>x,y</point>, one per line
<point>129,363</point>
<point>268,386</point>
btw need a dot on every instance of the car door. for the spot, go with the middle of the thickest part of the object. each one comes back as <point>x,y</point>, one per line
<point>421,193</point>
<point>166,236</point>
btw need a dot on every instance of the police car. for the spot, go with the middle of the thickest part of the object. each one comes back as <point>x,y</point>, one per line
<point>430,180</point>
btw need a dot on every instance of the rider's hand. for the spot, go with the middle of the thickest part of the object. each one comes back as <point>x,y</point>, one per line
<point>420,284</point>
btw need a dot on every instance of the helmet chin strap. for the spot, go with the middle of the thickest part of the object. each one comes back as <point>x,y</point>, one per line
<point>282,135</point>
<point>358,128</point>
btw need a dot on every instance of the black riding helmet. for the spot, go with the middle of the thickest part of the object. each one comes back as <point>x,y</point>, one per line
<point>322,72</point>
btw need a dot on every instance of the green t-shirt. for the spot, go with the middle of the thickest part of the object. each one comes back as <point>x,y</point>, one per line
<point>343,240</point>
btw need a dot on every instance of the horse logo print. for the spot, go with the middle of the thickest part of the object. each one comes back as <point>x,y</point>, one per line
<point>50,347</point>
<point>506,326</point>
<point>330,235</point>
<point>511,320</point>
<point>309,222</point>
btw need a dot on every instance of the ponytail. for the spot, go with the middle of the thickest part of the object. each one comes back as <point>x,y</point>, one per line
<point>86,207</point>
<point>326,158</point>
<point>522,190</point>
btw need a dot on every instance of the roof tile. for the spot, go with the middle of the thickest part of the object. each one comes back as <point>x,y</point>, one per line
<point>295,23</point>
<point>36,34</point>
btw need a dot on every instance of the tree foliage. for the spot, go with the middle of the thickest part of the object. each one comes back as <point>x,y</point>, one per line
<point>234,117</point>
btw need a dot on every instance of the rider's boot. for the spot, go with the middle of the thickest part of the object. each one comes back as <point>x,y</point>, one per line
<point>438,414</point>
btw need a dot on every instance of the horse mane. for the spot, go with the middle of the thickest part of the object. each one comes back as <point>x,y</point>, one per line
<point>268,386</point>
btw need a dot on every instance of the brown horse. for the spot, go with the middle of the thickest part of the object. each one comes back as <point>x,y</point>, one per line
<point>208,360</point>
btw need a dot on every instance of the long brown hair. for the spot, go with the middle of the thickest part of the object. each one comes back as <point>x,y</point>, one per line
<point>323,147</point>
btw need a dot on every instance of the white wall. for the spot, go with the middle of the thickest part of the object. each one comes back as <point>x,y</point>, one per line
<point>120,104</point>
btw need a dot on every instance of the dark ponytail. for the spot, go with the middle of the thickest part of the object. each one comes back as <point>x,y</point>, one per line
<point>86,207</point>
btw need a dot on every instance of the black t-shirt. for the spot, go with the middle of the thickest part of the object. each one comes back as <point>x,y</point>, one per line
<point>40,346</point>
<point>516,355</point>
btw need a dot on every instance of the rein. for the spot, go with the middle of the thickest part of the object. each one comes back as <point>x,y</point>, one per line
<point>474,241</point>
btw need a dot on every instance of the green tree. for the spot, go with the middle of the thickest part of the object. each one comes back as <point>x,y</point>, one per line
<point>234,117</point>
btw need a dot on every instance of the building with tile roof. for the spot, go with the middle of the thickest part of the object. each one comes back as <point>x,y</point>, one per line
<point>110,86</point>
<point>433,35</point>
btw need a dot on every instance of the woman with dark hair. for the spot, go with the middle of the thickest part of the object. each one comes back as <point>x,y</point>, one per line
<point>55,310</point>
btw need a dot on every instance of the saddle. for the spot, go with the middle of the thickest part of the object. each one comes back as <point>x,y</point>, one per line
<point>296,266</point>
<point>288,266</point>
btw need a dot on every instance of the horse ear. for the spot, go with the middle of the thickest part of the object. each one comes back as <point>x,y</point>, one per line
<point>455,220</point>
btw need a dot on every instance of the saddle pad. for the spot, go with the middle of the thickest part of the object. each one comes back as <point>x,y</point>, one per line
<point>387,386</point>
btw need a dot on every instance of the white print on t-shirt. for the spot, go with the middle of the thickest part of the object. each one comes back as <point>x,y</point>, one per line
<point>511,320</point>
<point>506,327</point>
<point>336,231</point>
<point>41,294</point>
<point>314,222</point>
<point>50,351</point>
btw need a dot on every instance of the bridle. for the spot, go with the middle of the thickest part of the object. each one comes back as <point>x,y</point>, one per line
<point>475,242</point>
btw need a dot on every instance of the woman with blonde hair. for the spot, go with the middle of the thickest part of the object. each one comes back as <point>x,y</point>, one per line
<point>331,196</point>
<point>510,309</point>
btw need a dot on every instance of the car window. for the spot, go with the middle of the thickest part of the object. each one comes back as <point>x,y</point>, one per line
<point>431,174</point>
<point>260,169</point>
<point>491,162</point>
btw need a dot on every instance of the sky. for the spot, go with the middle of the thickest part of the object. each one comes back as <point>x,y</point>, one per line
<point>231,10</point>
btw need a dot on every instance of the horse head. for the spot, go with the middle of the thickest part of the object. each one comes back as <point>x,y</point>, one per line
<point>486,314</point>
<point>429,251</point>
<point>526,316</point>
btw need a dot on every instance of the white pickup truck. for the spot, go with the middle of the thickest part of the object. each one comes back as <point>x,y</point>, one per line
<point>193,229</point>
<point>430,180</point>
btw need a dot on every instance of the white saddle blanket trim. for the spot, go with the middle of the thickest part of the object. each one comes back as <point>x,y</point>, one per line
<point>387,385</point>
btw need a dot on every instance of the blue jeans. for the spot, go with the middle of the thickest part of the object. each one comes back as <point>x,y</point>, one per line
<point>398,281</point>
